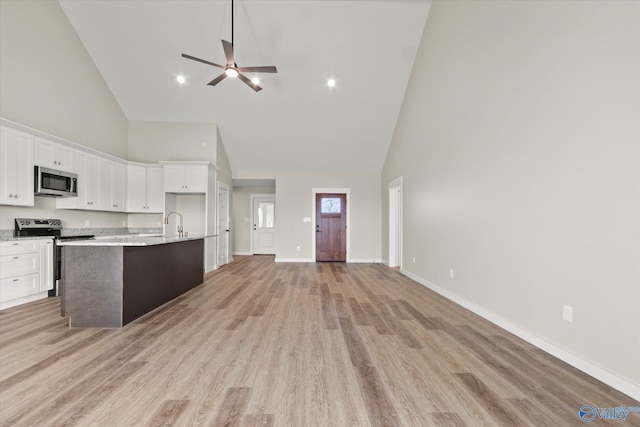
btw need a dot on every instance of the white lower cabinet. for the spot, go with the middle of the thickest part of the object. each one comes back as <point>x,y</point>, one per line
<point>26,271</point>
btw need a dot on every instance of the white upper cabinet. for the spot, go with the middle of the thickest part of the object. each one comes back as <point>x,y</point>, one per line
<point>16,167</point>
<point>53,155</point>
<point>112,186</point>
<point>155,193</point>
<point>185,178</point>
<point>87,167</point>
<point>144,189</point>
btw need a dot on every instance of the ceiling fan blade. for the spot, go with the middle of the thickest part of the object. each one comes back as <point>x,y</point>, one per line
<point>228,52</point>
<point>251,84</point>
<point>184,55</point>
<point>266,69</point>
<point>217,80</point>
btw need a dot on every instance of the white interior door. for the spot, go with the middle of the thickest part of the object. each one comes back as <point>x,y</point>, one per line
<point>264,225</point>
<point>223,224</point>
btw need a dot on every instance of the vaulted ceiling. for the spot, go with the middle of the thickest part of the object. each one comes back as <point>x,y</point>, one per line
<point>296,123</point>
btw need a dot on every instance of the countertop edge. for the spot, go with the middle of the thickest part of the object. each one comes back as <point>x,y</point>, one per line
<point>134,240</point>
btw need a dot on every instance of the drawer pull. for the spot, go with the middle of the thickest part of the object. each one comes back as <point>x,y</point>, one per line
<point>15,280</point>
<point>16,257</point>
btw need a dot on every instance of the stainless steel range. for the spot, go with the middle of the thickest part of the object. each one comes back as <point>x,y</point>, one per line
<point>33,227</point>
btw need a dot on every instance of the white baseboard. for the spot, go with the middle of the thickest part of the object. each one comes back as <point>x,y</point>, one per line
<point>615,381</point>
<point>294,260</point>
<point>242,253</point>
<point>23,300</point>
<point>351,261</point>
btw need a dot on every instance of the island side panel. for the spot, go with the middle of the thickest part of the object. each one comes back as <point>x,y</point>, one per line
<point>154,275</point>
<point>92,277</point>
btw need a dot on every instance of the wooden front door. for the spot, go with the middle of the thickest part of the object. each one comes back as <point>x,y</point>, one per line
<point>331,227</point>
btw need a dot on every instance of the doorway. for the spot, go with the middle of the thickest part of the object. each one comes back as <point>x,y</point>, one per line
<point>395,223</point>
<point>331,227</point>
<point>223,224</point>
<point>263,233</point>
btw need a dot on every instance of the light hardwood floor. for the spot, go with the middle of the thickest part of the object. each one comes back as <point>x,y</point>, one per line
<point>269,344</point>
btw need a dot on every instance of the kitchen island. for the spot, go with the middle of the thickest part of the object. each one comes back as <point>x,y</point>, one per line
<point>111,282</point>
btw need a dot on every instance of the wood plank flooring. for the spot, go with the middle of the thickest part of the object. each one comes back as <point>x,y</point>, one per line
<point>266,344</point>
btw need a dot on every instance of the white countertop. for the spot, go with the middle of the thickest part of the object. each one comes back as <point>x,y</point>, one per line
<point>137,240</point>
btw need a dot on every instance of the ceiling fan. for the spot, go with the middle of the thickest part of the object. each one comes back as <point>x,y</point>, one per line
<point>232,69</point>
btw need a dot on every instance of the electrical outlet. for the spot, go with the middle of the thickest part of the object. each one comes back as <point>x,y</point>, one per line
<point>297,248</point>
<point>451,272</point>
<point>86,222</point>
<point>124,222</point>
<point>413,259</point>
<point>567,313</point>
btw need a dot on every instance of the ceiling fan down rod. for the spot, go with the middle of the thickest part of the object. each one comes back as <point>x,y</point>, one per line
<point>231,23</point>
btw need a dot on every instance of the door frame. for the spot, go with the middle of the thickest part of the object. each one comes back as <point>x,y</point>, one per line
<point>395,223</point>
<point>225,187</point>
<point>347,193</point>
<point>252,198</point>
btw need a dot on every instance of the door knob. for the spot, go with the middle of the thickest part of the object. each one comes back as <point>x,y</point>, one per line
<point>317,228</point>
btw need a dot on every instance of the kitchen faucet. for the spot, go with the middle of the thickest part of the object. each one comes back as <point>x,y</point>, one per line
<point>180,228</point>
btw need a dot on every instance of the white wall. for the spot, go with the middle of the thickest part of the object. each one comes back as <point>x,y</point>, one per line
<point>155,141</point>
<point>151,142</point>
<point>518,142</point>
<point>49,82</point>
<point>294,201</point>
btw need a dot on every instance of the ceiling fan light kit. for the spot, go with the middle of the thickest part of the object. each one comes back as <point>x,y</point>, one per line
<point>231,69</point>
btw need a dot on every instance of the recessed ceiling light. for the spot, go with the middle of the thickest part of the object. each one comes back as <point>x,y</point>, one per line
<point>181,79</point>
<point>255,81</point>
<point>331,83</point>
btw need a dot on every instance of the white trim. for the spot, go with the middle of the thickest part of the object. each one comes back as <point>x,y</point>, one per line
<point>607,377</point>
<point>347,193</point>
<point>365,261</point>
<point>395,222</point>
<point>243,253</point>
<point>294,260</point>
<point>222,185</point>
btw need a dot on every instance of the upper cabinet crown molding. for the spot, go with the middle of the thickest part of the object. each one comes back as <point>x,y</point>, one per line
<point>56,139</point>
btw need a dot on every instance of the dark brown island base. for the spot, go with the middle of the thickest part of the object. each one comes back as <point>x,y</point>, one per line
<point>109,283</point>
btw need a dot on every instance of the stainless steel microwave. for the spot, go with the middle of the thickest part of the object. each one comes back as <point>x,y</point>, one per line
<point>55,183</point>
